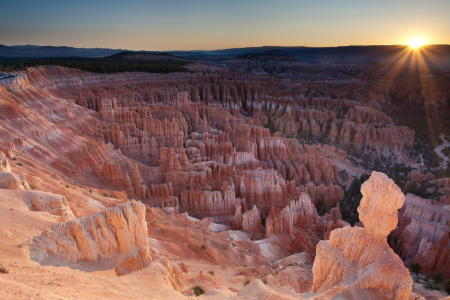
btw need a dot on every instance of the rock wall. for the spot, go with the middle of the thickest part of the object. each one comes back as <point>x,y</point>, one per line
<point>422,234</point>
<point>121,230</point>
<point>220,206</point>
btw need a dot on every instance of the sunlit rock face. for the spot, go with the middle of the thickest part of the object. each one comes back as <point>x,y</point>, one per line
<point>378,208</point>
<point>4,163</point>
<point>56,205</point>
<point>9,180</point>
<point>113,233</point>
<point>360,259</point>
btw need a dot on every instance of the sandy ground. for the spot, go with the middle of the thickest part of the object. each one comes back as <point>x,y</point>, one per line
<point>29,280</point>
<point>231,267</point>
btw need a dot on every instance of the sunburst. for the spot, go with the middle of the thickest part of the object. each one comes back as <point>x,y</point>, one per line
<point>416,43</point>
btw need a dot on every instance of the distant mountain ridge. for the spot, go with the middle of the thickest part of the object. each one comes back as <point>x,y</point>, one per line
<point>32,51</point>
<point>341,54</point>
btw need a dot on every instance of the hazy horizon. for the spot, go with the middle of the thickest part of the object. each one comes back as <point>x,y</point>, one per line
<point>218,49</point>
<point>213,25</point>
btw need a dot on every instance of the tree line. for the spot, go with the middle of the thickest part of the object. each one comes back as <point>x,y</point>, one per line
<point>99,65</point>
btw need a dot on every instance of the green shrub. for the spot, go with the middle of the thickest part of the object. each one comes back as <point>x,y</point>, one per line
<point>211,272</point>
<point>203,246</point>
<point>247,281</point>
<point>446,284</point>
<point>32,186</point>
<point>19,164</point>
<point>198,290</point>
<point>105,194</point>
<point>415,267</point>
<point>437,277</point>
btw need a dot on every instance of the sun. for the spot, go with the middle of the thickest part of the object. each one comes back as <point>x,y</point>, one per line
<point>416,43</point>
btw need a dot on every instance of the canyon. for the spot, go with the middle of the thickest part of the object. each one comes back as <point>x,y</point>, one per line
<point>145,185</point>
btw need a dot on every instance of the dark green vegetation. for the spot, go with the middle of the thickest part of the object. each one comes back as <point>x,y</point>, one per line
<point>198,290</point>
<point>111,64</point>
<point>437,281</point>
<point>415,267</point>
<point>428,125</point>
<point>270,125</point>
<point>352,197</point>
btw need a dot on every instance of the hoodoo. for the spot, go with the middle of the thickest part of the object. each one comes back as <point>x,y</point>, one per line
<point>357,262</point>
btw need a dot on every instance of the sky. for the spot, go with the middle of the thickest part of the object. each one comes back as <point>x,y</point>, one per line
<point>209,24</point>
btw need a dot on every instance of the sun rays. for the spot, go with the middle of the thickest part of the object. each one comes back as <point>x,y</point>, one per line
<point>416,42</point>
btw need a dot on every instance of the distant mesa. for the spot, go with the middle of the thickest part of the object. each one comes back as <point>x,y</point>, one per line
<point>145,56</point>
<point>269,55</point>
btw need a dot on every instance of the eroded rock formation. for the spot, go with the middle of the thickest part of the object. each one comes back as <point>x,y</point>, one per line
<point>4,163</point>
<point>251,221</point>
<point>120,231</point>
<point>54,204</point>
<point>359,260</point>
<point>9,180</point>
<point>422,234</point>
<point>300,212</point>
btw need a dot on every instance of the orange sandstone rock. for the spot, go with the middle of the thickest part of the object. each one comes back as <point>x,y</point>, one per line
<point>121,229</point>
<point>360,259</point>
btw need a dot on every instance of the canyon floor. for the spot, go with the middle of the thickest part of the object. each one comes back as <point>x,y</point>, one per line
<point>241,179</point>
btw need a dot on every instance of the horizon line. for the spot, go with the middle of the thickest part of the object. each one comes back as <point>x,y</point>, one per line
<point>193,50</point>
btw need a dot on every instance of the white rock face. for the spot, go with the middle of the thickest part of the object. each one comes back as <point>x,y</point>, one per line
<point>357,262</point>
<point>13,181</point>
<point>54,204</point>
<point>118,230</point>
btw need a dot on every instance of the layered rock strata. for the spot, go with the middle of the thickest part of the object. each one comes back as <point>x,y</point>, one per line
<point>120,231</point>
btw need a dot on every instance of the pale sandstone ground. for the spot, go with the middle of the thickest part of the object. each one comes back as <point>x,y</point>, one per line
<point>288,278</point>
<point>29,280</point>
